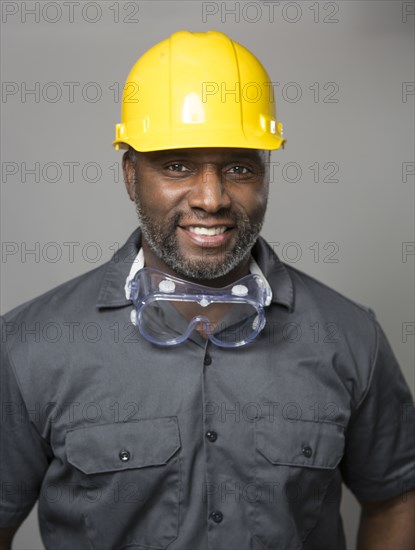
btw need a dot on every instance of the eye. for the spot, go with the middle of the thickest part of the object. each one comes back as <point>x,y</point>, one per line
<point>176,167</point>
<point>241,170</point>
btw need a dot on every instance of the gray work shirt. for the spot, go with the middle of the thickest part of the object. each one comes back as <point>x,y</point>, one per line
<point>195,447</point>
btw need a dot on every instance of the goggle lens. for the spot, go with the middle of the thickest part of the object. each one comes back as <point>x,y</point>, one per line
<point>163,322</point>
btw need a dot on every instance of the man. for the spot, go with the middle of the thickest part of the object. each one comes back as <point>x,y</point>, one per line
<point>164,412</point>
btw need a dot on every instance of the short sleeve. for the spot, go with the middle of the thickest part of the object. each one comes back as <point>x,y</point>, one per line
<point>379,460</point>
<point>24,455</point>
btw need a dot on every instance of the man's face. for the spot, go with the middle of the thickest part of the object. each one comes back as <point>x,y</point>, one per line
<point>200,210</point>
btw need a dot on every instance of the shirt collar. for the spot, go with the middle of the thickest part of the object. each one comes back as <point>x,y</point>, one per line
<point>276,273</point>
<point>112,291</point>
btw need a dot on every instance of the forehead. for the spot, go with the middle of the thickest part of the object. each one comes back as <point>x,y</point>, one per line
<point>208,155</point>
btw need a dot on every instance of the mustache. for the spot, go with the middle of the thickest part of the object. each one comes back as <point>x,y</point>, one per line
<point>197,215</point>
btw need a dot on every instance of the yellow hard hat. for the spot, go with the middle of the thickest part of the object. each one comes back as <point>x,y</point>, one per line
<point>198,90</point>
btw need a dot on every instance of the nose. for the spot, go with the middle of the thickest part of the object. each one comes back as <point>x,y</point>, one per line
<point>208,191</point>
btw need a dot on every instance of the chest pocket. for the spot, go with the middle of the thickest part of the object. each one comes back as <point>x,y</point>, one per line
<point>300,443</point>
<point>133,470</point>
<point>296,462</point>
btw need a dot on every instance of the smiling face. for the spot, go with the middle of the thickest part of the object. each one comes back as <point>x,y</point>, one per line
<point>200,210</point>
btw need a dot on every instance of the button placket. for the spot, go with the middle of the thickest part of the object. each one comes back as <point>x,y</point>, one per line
<point>212,449</point>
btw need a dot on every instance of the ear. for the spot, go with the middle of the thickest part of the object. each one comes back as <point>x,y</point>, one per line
<point>128,170</point>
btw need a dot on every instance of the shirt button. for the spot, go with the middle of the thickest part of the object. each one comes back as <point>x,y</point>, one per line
<point>124,456</point>
<point>217,516</point>
<point>211,436</point>
<point>207,360</point>
<point>307,451</point>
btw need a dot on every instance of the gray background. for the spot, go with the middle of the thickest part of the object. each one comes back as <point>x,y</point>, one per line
<point>367,132</point>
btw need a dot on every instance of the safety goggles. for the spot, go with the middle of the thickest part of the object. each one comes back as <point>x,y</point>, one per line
<point>169,309</point>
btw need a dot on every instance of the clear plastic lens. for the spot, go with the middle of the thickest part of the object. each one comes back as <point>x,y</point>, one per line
<point>166,322</point>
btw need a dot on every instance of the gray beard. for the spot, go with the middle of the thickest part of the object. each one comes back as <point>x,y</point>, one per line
<point>161,238</point>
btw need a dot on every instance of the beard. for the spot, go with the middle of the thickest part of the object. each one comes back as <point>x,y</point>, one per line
<point>162,240</point>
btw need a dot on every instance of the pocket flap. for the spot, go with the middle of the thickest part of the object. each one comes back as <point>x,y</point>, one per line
<point>300,443</point>
<point>122,446</point>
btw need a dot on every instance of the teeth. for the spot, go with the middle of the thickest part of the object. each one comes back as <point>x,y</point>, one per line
<point>209,231</point>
